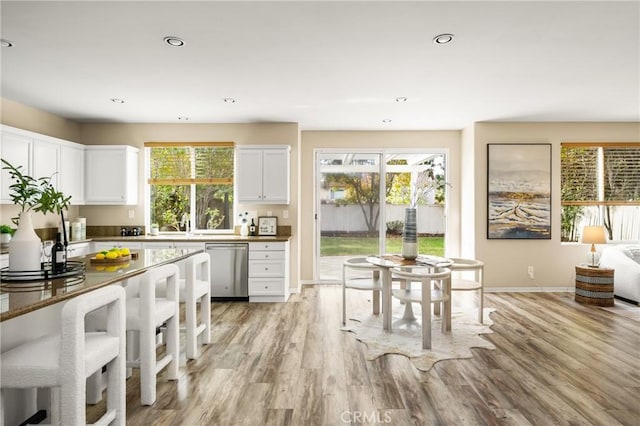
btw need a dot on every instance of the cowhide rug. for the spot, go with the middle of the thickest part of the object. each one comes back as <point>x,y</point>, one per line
<point>406,338</point>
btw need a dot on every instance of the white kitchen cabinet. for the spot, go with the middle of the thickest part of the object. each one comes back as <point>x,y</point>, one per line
<point>71,176</point>
<point>111,174</point>
<point>269,271</point>
<point>16,149</point>
<point>78,249</point>
<point>46,160</point>
<point>43,156</point>
<point>262,175</point>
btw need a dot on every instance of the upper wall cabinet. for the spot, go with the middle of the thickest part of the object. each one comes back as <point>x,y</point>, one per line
<point>43,156</point>
<point>71,177</point>
<point>262,175</point>
<point>111,174</point>
<point>16,148</point>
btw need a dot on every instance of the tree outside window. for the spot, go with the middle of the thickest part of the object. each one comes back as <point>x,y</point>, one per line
<point>191,185</point>
<point>600,185</point>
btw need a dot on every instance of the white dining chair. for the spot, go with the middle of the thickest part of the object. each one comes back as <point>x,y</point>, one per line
<point>434,289</point>
<point>358,274</point>
<point>461,268</point>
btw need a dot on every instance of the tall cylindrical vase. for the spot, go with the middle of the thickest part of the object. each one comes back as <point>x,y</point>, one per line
<point>409,235</point>
<point>25,248</point>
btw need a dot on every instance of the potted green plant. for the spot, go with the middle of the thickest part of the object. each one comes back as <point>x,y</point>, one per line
<point>30,194</point>
<point>6,232</point>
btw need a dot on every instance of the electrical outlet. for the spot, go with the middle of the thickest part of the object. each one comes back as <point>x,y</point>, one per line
<point>530,272</point>
<point>132,214</point>
<point>285,214</point>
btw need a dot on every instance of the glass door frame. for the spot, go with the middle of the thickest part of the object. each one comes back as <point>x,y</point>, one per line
<point>383,153</point>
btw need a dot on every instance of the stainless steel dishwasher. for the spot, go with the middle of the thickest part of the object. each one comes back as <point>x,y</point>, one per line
<point>229,270</point>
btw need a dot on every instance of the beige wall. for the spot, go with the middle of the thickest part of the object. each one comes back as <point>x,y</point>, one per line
<point>24,117</point>
<point>311,141</point>
<point>507,260</point>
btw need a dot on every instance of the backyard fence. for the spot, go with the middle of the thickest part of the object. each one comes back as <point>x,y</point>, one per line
<point>349,218</point>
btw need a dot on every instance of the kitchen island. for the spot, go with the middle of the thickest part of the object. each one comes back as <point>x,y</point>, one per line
<point>31,309</point>
<point>22,302</point>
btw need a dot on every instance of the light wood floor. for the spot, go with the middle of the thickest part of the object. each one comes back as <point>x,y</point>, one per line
<point>555,362</point>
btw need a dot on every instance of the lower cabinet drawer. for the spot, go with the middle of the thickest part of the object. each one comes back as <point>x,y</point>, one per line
<point>266,268</point>
<point>266,287</point>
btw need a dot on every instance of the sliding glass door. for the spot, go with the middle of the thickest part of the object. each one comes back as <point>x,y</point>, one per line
<point>352,221</point>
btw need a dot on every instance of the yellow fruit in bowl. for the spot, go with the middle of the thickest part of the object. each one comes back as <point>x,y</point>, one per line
<point>124,251</point>
<point>100,256</point>
<point>112,255</point>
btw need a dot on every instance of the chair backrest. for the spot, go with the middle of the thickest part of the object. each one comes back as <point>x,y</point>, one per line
<point>160,281</point>
<point>73,323</point>
<point>462,264</point>
<point>360,265</point>
<point>197,268</point>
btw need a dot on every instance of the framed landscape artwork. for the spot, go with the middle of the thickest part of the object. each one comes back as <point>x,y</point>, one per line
<point>519,191</point>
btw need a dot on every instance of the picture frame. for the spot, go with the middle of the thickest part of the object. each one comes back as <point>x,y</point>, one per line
<point>268,225</point>
<point>519,191</point>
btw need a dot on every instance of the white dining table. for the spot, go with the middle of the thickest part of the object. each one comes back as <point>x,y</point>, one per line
<point>386,263</point>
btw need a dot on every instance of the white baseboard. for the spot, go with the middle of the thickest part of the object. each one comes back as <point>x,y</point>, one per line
<point>529,289</point>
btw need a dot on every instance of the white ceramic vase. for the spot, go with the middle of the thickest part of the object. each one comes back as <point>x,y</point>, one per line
<point>409,235</point>
<point>244,229</point>
<point>5,238</point>
<point>25,248</point>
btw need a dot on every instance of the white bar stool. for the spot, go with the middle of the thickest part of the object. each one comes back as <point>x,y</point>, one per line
<point>194,289</point>
<point>147,311</point>
<point>63,362</point>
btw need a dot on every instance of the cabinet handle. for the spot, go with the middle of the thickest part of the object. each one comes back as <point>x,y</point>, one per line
<point>266,256</point>
<point>266,286</point>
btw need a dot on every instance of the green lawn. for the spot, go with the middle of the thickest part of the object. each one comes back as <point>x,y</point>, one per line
<point>348,246</point>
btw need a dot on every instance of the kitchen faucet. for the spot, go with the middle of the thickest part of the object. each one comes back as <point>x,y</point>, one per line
<point>186,223</point>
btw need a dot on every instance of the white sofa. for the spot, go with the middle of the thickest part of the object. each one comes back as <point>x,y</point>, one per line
<point>625,260</point>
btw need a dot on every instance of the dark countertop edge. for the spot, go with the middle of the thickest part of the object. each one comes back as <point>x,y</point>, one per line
<point>108,281</point>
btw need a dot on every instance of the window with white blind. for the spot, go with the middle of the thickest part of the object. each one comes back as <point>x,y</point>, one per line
<point>600,184</point>
<point>190,185</point>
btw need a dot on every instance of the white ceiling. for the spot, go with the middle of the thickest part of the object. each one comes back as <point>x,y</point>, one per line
<point>327,65</point>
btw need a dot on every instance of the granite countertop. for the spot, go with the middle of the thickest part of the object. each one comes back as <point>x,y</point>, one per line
<point>21,297</point>
<point>182,238</point>
<point>205,238</point>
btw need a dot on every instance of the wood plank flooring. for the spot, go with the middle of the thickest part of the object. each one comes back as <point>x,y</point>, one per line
<point>555,362</point>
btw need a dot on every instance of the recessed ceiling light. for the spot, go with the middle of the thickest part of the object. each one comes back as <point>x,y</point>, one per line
<point>117,100</point>
<point>230,100</point>
<point>174,41</point>
<point>5,43</point>
<point>401,99</point>
<point>443,38</point>
<point>386,120</point>
<point>183,118</point>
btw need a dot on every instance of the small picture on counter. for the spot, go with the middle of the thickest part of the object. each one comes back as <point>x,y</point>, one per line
<point>267,225</point>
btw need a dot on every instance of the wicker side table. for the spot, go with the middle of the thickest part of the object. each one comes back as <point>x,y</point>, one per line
<point>594,286</point>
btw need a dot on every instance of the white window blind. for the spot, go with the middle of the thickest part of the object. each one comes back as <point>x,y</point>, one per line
<point>185,163</point>
<point>600,173</point>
